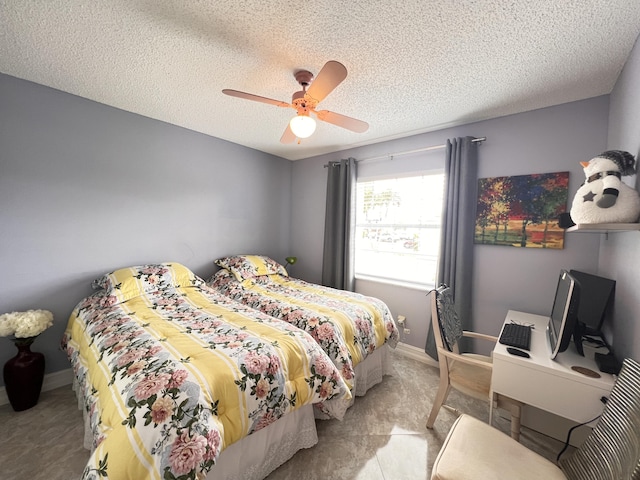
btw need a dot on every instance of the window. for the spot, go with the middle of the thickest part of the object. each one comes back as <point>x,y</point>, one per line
<point>397,235</point>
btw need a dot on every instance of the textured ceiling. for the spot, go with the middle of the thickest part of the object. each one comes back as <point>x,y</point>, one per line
<point>414,65</point>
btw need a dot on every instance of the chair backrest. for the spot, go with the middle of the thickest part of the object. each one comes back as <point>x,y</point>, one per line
<point>447,328</point>
<point>612,449</point>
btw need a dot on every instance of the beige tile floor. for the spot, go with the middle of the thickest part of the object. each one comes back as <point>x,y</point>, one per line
<point>382,437</point>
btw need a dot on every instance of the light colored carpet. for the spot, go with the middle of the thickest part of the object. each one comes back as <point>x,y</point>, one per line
<point>382,437</point>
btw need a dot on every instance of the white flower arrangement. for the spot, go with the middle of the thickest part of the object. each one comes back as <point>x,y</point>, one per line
<point>25,324</point>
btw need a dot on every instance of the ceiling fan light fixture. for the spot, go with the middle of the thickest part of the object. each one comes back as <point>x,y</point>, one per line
<point>306,100</point>
<point>302,126</point>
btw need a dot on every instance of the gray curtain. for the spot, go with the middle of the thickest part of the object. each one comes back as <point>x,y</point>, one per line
<point>455,263</point>
<point>337,260</point>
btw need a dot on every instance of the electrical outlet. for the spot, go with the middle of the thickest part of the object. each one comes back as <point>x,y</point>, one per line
<point>407,331</point>
<point>401,319</point>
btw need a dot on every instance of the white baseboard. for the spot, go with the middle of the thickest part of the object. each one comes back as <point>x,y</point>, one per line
<point>51,381</point>
<point>415,353</point>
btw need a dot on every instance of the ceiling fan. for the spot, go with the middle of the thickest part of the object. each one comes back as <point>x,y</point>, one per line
<point>306,100</point>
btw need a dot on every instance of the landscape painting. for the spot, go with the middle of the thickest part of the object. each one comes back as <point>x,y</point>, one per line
<point>522,210</point>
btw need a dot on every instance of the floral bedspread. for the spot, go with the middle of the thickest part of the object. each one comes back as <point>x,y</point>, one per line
<point>172,376</point>
<point>348,326</point>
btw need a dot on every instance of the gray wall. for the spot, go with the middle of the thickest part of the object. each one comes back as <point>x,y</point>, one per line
<point>86,188</point>
<point>548,140</point>
<point>620,253</point>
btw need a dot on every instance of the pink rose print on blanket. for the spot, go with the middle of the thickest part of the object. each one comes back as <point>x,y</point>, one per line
<point>187,452</point>
<point>151,385</point>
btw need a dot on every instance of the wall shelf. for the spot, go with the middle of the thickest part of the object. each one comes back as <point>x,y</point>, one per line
<point>604,227</point>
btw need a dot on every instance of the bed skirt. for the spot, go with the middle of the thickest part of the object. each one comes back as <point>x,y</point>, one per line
<point>256,456</point>
<point>370,371</point>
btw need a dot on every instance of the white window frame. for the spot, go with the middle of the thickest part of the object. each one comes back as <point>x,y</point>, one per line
<point>404,253</point>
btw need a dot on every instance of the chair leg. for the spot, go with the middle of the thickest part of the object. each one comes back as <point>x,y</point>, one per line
<point>441,396</point>
<point>453,410</point>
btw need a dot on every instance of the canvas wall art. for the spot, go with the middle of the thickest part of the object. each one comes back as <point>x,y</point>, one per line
<point>522,210</point>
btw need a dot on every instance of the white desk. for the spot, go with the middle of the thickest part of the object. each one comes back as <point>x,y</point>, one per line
<point>547,384</point>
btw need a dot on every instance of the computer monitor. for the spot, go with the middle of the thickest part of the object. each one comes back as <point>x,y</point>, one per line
<point>563,313</point>
<point>596,295</point>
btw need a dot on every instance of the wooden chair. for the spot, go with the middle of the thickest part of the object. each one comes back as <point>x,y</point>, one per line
<point>610,452</point>
<point>467,373</point>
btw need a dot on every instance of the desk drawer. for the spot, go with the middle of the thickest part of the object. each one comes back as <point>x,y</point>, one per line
<point>576,401</point>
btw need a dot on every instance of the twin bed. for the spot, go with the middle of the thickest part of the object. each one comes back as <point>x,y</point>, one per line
<point>179,380</point>
<point>355,330</point>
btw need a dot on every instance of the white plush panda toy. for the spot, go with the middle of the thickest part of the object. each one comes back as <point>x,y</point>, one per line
<point>604,197</point>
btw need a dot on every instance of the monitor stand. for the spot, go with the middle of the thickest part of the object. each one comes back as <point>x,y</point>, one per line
<point>582,332</point>
<point>578,332</point>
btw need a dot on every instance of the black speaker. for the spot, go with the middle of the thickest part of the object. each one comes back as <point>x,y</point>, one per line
<point>607,363</point>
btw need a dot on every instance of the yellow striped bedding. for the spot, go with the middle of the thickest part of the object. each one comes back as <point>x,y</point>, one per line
<point>171,373</point>
<point>349,326</point>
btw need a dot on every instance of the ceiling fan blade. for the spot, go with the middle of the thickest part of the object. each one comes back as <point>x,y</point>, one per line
<point>343,121</point>
<point>256,98</point>
<point>329,77</point>
<point>288,136</point>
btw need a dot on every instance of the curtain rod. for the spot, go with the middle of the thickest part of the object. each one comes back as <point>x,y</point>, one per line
<point>407,152</point>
